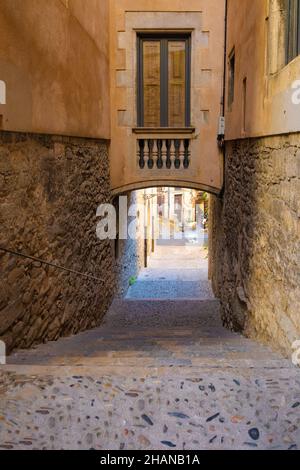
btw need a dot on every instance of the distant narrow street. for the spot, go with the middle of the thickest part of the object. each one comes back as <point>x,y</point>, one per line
<point>159,374</point>
<point>174,271</point>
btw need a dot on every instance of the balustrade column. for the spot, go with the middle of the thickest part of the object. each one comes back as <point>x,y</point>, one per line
<point>168,159</point>
<point>164,151</point>
<point>181,153</point>
<point>159,154</point>
<point>150,155</point>
<point>155,151</point>
<point>141,154</point>
<point>186,161</point>
<point>177,153</point>
<point>172,153</point>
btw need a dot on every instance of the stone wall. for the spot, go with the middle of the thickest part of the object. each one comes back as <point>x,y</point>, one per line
<point>50,188</point>
<point>255,240</point>
<point>129,253</point>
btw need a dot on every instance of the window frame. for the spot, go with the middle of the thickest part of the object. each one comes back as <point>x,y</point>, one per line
<point>292,36</point>
<point>164,39</point>
<point>231,78</point>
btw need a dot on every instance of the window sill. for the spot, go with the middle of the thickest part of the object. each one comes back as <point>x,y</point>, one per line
<point>163,130</point>
<point>285,68</point>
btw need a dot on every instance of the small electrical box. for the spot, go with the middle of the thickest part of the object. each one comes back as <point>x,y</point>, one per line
<point>221,132</point>
<point>221,126</point>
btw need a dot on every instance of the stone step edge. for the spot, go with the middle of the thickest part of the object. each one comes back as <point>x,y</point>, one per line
<point>276,365</point>
<point>172,300</point>
<point>127,372</point>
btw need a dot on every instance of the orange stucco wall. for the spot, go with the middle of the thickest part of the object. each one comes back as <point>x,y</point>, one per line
<point>54,59</point>
<point>269,106</point>
<point>205,20</point>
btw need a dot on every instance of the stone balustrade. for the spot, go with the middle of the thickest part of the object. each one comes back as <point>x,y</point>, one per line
<point>164,152</point>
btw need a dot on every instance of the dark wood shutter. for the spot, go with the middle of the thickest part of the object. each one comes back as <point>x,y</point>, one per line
<point>151,61</point>
<point>293,29</point>
<point>163,80</point>
<point>177,83</point>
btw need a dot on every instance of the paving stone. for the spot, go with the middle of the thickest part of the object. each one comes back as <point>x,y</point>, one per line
<point>157,374</point>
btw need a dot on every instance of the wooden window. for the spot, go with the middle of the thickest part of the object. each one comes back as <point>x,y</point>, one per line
<point>293,30</point>
<point>244,128</point>
<point>164,81</point>
<point>231,79</point>
<point>176,83</point>
<point>151,83</point>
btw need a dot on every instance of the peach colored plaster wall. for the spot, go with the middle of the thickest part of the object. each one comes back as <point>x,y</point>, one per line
<point>269,107</point>
<point>54,60</point>
<point>206,21</point>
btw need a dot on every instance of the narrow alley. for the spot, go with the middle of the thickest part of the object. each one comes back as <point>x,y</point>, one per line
<point>150,228</point>
<point>174,271</point>
<point>158,374</point>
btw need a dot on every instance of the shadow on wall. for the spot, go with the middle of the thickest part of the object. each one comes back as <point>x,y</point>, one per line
<point>129,254</point>
<point>49,192</point>
<point>255,240</point>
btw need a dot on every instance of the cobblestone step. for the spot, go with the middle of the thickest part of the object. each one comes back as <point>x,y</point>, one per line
<point>178,333</point>
<point>154,375</point>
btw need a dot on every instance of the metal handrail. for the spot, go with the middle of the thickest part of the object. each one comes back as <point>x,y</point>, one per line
<point>48,263</point>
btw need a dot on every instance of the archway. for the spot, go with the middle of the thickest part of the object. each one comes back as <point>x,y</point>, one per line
<point>169,256</point>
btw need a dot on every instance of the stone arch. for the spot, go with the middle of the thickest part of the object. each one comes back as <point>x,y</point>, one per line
<point>166,183</point>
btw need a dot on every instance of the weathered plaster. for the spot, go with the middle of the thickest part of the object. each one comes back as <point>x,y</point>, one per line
<point>127,17</point>
<point>256,34</point>
<point>54,60</point>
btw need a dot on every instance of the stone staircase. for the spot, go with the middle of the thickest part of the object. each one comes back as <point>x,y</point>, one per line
<point>156,375</point>
<point>153,334</point>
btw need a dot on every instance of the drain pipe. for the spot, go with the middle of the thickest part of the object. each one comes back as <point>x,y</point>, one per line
<point>225,56</point>
<point>221,131</point>
<point>221,136</point>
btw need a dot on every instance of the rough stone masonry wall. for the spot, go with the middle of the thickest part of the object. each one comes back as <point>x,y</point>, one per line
<point>50,188</point>
<point>255,246</point>
<point>130,256</point>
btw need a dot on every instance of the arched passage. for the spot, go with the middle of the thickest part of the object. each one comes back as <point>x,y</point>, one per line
<point>170,250</point>
<point>165,183</point>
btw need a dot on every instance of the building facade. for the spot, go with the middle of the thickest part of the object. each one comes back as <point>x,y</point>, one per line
<point>166,71</point>
<point>54,161</point>
<point>255,246</point>
<point>101,98</point>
